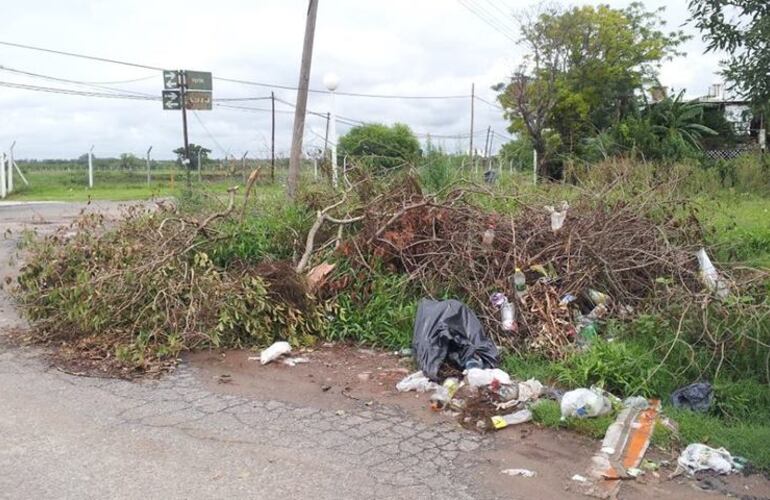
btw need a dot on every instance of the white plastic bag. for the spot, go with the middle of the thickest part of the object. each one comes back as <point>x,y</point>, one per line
<point>274,352</point>
<point>480,377</point>
<point>582,403</point>
<point>697,457</point>
<point>557,216</point>
<point>530,389</point>
<point>417,381</point>
<point>710,276</point>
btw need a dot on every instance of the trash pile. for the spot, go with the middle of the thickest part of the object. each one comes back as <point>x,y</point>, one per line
<point>545,277</point>
<point>486,398</point>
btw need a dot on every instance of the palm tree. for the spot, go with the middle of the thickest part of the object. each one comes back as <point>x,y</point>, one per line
<point>678,120</point>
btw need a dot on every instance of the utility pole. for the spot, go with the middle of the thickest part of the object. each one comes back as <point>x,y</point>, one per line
<point>473,102</point>
<point>489,147</point>
<point>299,111</point>
<point>10,168</point>
<point>148,165</point>
<point>487,143</point>
<point>186,159</point>
<point>272,140</point>
<point>91,167</point>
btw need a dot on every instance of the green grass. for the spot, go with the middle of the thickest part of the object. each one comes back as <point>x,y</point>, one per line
<point>741,225</point>
<point>548,413</point>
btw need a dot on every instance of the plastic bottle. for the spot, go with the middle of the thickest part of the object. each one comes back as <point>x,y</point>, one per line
<point>519,417</point>
<point>444,394</point>
<point>507,311</point>
<point>520,283</point>
<point>508,316</point>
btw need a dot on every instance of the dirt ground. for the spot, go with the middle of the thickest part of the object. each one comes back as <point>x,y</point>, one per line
<point>346,378</point>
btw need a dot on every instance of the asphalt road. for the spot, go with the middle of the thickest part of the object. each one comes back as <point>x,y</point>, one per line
<point>63,436</point>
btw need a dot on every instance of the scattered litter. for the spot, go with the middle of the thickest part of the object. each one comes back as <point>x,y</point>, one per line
<point>697,457</point>
<point>339,413</point>
<point>274,352</point>
<point>417,381</point>
<point>481,377</point>
<point>490,176</point>
<point>406,352</point>
<point>582,403</point>
<point>519,417</point>
<point>253,358</point>
<point>225,378</point>
<point>325,387</point>
<point>530,389</point>
<point>598,298</point>
<point>364,377</point>
<point>488,237</point>
<point>697,397</point>
<point>623,448</point>
<point>649,465</point>
<point>295,361</point>
<point>710,275</point>
<point>579,478</point>
<point>448,329</point>
<point>557,215</point>
<point>444,394</point>
<point>507,311</point>
<point>638,402</point>
<point>520,284</point>
<point>519,472</point>
<point>566,300</point>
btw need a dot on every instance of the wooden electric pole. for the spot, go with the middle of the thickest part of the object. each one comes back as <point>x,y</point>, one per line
<point>299,111</point>
<point>272,140</point>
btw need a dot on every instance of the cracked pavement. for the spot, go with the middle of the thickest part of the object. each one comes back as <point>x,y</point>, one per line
<point>64,436</point>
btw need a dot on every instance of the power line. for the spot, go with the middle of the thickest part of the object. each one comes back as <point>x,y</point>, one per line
<point>496,106</point>
<point>81,56</point>
<point>64,80</point>
<point>84,93</point>
<point>208,132</point>
<point>491,22</point>
<point>347,94</point>
<point>232,80</point>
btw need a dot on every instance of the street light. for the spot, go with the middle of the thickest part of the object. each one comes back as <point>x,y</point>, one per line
<point>331,82</point>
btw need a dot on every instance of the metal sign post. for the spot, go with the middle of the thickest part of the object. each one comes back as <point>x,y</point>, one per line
<point>183,90</point>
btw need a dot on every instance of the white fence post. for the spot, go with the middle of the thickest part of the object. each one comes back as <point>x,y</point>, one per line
<point>91,167</point>
<point>10,168</point>
<point>2,176</point>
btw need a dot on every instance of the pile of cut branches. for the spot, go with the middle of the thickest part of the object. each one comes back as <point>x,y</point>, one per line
<point>632,250</point>
<point>137,293</point>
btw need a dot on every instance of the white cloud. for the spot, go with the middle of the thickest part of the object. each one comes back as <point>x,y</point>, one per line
<point>400,46</point>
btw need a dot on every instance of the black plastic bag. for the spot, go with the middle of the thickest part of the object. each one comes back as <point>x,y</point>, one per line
<point>697,397</point>
<point>448,329</point>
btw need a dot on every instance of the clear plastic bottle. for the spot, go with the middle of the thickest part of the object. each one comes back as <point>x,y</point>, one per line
<point>520,283</point>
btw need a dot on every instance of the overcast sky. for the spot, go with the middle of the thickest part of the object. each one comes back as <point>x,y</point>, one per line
<point>415,47</point>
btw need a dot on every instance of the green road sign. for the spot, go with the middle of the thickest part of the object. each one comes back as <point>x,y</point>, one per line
<point>172,99</point>
<point>195,99</point>
<point>198,80</point>
<point>171,80</point>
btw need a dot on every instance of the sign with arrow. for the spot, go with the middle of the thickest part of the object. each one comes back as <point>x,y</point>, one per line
<point>172,79</point>
<point>172,100</point>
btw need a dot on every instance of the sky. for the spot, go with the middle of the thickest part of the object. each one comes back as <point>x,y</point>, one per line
<point>394,47</point>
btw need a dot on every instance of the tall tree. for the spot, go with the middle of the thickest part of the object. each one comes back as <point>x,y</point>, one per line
<point>581,72</point>
<point>742,29</point>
